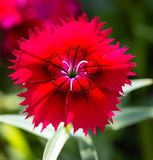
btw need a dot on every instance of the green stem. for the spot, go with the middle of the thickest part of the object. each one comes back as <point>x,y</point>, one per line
<point>146,139</point>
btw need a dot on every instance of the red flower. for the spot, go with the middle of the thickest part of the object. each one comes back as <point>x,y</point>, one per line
<point>72,74</point>
<point>9,16</point>
<point>16,12</point>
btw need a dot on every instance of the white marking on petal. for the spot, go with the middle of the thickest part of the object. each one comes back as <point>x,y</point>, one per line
<point>83,61</point>
<point>63,72</point>
<point>71,84</point>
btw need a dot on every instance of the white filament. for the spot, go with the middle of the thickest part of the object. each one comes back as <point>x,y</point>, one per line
<point>66,64</point>
<point>71,84</point>
<point>63,72</point>
<point>70,68</point>
<point>83,61</point>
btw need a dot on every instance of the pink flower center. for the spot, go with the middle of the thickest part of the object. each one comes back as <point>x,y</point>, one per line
<point>73,71</point>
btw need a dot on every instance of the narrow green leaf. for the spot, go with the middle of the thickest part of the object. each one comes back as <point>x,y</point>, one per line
<point>55,144</point>
<point>130,116</point>
<point>9,101</point>
<point>20,122</point>
<point>87,148</point>
<point>136,84</point>
<point>18,143</point>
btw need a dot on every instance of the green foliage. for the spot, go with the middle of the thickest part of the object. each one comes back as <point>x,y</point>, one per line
<point>136,84</point>
<point>18,145</point>
<point>87,148</point>
<point>55,144</point>
<point>130,116</point>
<point>20,122</point>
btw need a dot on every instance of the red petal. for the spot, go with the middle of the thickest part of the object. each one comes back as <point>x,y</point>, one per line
<point>30,72</point>
<point>115,67</point>
<point>90,110</point>
<point>45,103</point>
<point>80,84</point>
<point>38,38</point>
<point>113,77</point>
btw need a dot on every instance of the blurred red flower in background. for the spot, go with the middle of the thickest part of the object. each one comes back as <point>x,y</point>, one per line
<point>17,16</point>
<point>72,74</point>
<point>9,16</point>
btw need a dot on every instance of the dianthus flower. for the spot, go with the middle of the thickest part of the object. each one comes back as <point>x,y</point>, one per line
<point>72,74</point>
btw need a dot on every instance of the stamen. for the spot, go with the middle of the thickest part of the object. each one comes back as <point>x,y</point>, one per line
<point>71,84</point>
<point>66,64</point>
<point>64,72</point>
<point>83,61</point>
<point>70,68</point>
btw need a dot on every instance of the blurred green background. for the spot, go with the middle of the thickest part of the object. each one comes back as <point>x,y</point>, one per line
<point>132,23</point>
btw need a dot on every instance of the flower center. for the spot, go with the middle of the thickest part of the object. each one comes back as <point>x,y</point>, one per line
<point>73,71</point>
